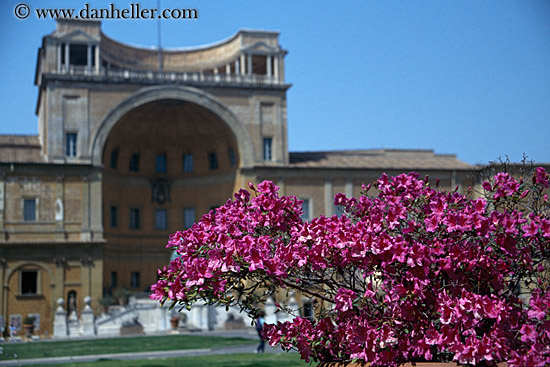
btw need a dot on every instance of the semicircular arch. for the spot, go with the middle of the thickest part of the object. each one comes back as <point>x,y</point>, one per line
<point>20,264</point>
<point>201,98</point>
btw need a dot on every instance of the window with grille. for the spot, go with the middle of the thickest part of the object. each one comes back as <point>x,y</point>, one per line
<point>70,147</point>
<point>267,149</point>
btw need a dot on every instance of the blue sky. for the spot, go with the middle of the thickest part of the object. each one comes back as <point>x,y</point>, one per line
<point>470,78</point>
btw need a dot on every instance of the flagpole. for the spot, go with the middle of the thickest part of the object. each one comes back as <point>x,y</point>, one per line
<point>159,38</point>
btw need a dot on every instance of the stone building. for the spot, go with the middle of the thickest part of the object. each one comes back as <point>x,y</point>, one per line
<point>134,144</point>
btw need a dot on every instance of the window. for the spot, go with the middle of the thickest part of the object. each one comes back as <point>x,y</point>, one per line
<point>267,149</point>
<point>29,282</point>
<point>114,279</point>
<point>114,159</point>
<point>232,157</point>
<point>134,279</point>
<point>160,219</point>
<point>113,217</point>
<point>134,163</point>
<point>70,148</point>
<point>29,210</point>
<point>78,55</point>
<point>161,163</point>
<point>134,218</point>
<point>188,163</point>
<point>306,212</point>
<point>188,217</point>
<point>213,160</point>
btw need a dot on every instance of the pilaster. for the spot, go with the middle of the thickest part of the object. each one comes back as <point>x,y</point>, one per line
<point>329,200</point>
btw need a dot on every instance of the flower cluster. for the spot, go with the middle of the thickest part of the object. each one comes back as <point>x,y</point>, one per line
<point>412,273</point>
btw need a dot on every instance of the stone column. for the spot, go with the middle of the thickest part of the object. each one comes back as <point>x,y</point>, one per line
<point>276,67</point>
<point>97,59</point>
<point>242,65</point>
<point>67,59</point>
<point>58,62</point>
<point>249,64</point>
<point>60,321</point>
<point>89,59</point>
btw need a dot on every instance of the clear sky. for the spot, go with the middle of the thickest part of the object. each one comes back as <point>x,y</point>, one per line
<point>470,78</point>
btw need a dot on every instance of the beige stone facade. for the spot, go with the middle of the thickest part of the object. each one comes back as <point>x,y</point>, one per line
<point>133,145</point>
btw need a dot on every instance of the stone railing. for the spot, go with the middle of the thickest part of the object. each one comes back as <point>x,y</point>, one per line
<point>151,76</point>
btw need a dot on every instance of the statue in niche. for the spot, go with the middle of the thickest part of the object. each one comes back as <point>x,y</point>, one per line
<point>160,191</point>
<point>58,209</point>
<point>71,305</point>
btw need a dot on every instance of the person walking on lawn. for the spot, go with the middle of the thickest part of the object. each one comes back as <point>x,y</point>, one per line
<point>259,327</point>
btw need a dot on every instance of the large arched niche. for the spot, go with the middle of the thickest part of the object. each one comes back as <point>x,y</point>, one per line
<point>244,146</point>
<point>142,205</point>
<point>172,128</point>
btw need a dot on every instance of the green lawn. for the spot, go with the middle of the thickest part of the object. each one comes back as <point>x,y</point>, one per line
<point>222,360</point>
<point>46,349</point>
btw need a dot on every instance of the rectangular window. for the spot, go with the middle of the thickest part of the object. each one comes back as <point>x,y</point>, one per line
<point>232,157</point>
<point>29,282</point>
<point>267,149</point>
<point>134,163</point>
<point>188,217</point>
<point>70,141</point>
<point>213,160</point>
<point>188,163</point>
<point>29,210</point>
<point>114,159</point>
<point>134,279</point>
<point>114,279</point>
<point>306,209</point>
<point>134,218</point>
<point>113,217</point>
<point>160,219</point>
<point>161,163</point>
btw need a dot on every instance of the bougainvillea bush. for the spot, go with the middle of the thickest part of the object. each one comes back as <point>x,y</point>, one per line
<point>412,273</point>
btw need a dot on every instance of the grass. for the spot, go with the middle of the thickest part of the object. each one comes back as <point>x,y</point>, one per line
<point>116,345</point>
<point>225,360</point>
